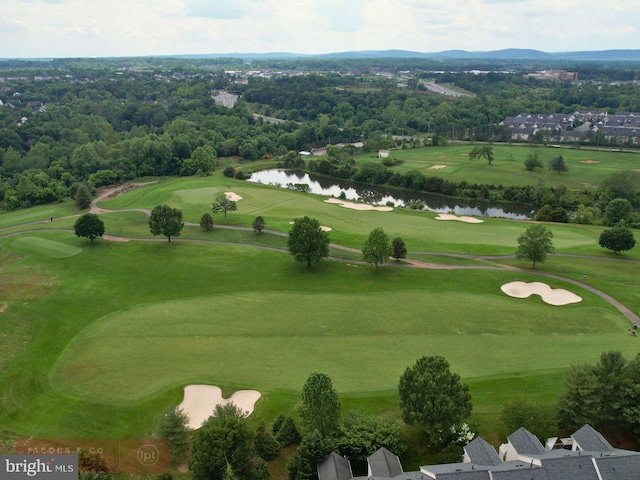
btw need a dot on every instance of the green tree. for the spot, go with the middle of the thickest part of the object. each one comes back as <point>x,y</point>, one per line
<point>224,204</point>
<point>534,244</point>
<point>224,439</point>
<point>618,209</point>
<point>558,165</point>
<point>286,432</point>
<point>90,226</point>
<point>398,248</point>
<point>544,214</point>
<point>539,419</point>
<point>83,196</point>
<point>206,222</point>
<point>363,434</point>
<point>307,241</point>
<point>258,224</point>
<point>617,239</point>
<point>485,151</point>
<point>166,221</point>
<point>532,162</point>
<point>432,396</point>
<point>602,395</point>
<point>266,447</point>
<point>173,426</point>
<point>321,405</point>
<point>377,248</point>
<point>312,451</point>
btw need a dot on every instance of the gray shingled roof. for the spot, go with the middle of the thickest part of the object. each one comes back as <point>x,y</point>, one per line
<point>482,452</point>
<point>534,473</point>
<point>335,467</point>
<point>526,442</point>
<point>591,440</point>
<point>619,468</point>
<point>570,468</point>
<point>473,475</point>
<point>383,463</point>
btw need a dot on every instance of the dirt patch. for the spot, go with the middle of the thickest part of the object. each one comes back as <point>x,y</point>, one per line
<point>635,169</point>
<point>4,307</point>
<point>128,187</point>
<point>589,161</point>
<point>110,238</point>
<point>464,154</point>
<point>442,156</point>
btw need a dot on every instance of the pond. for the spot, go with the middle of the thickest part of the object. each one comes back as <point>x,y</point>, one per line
<point>376,195</point>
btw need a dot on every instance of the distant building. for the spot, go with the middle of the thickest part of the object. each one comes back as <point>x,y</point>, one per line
<point>226,99</point>
<point>383,153</point>
<point>585,456</point>
<point>553,75</point>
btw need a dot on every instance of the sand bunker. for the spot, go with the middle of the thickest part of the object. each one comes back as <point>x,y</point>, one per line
<point>322,227</point>
<point>589,161</point>
<point>552,296</point>
<point>450,216</point>
<point>358,206</point>
<point>3,307</point>
<point>234,197</point>
<point>200,400</point>
<point>436,167</point>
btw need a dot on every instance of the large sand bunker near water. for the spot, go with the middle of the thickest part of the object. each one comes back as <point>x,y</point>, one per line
<point>450,216</point>
<point>552,296</point>
<point>358,206</point>
<point>234,197</point>
<point>200,401</point>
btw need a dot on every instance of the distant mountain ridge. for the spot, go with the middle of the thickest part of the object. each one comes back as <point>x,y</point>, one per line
<point>505,54</point>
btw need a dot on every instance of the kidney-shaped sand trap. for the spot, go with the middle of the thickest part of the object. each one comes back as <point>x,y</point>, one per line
<point>200,400</point>
<point>450,216</point>
<point>552,296</point>
<point>234,197</point>
<point>358,206</point>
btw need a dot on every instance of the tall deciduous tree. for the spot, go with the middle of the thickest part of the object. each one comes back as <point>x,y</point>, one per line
<point>321,405</point>
<point>83,196</point>
<point>617,210</point>
<point>617,239</point>
<point>432,396</point>
<point>399,249</point>
<point>224,439</point>
<point>534,244</point>
<point>224,204</point>
<point>90,226</point>
<point>307,241</point>
<point>485,151</point>
<point>377,247</point>
<point>166,221</point>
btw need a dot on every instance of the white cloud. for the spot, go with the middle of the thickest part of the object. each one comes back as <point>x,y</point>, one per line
<point>142,27</point>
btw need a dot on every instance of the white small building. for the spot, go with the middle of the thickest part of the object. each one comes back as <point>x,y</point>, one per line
<point>383,153</point>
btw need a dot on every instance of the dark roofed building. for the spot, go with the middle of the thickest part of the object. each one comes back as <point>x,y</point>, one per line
<point>522,441</point>
<point>384,464</point>
<point>589,440</point>
<point>468,475</point>
<point>570,468</point>
<point>619,468</point>
<point>335,467</point>
<point>532,473</point>
<point>481,452</point>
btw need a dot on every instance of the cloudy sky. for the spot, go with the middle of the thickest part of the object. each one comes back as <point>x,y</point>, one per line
<point>83,28</point>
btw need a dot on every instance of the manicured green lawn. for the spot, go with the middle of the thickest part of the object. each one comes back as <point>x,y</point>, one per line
<point>587,168</point>
<point>99,338</point>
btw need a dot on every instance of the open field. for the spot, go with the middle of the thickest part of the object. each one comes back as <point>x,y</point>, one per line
<point>98,338</point>
<point>587,168</point>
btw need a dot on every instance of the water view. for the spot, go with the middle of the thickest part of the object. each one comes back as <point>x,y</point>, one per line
<point>382,196</point>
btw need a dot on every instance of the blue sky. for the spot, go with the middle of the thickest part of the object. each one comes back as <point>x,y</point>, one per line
<point>83,28</point>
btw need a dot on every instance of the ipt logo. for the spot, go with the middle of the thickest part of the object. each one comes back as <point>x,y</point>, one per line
<point>39,467</point>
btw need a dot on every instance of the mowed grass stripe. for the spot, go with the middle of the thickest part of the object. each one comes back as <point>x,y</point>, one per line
<point>205,335</point>
<point>46,247</point>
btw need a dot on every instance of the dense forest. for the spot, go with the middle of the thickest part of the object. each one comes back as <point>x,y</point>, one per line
<point>72,122</point>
